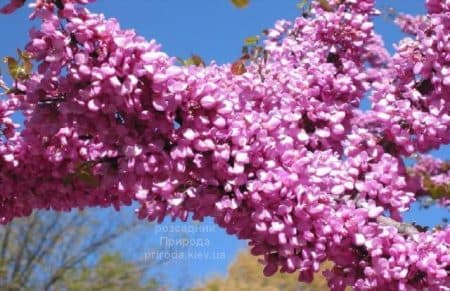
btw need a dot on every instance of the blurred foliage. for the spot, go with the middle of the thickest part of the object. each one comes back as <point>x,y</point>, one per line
<point>69,251</point>
<point>111,273</point>
<point>246,274</point>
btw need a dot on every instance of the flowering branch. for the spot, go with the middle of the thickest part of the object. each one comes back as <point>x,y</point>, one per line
<point>285,147</point>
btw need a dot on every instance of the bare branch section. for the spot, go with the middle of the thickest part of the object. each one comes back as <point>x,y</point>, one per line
<point>404,228</point>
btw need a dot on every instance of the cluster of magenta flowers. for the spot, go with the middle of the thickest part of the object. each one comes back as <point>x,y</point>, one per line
<point>277,154</point>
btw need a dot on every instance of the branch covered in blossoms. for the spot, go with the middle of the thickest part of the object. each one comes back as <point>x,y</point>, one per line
<point>276,150</point>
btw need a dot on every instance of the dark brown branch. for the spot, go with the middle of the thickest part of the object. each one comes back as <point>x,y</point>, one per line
<point>25,242</point>
<point>41,250</point>
<point>5,242</point>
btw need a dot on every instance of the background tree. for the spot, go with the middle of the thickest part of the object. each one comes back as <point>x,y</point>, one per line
<point>111,272</point>
<point>69,251</point>
<point>245,273</point>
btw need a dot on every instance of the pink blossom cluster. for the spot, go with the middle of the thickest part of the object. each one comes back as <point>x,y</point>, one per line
<point>279,155</point>
<point>13,5</point>
<point>411,100</point>
<point>412,24</point>
<point>438,6</point>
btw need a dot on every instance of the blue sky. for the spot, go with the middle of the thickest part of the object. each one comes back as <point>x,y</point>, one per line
<point>214,30</point>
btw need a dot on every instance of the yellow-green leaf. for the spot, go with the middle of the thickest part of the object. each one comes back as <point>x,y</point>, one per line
<point>240,3</point>
<point>13,67</point>
<point>19,69</point>
<point>26,60</point>
<point>251,40</point>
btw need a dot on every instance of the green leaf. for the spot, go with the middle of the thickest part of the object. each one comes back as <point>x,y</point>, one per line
<point>251,40</point>
<point>240,3</point>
